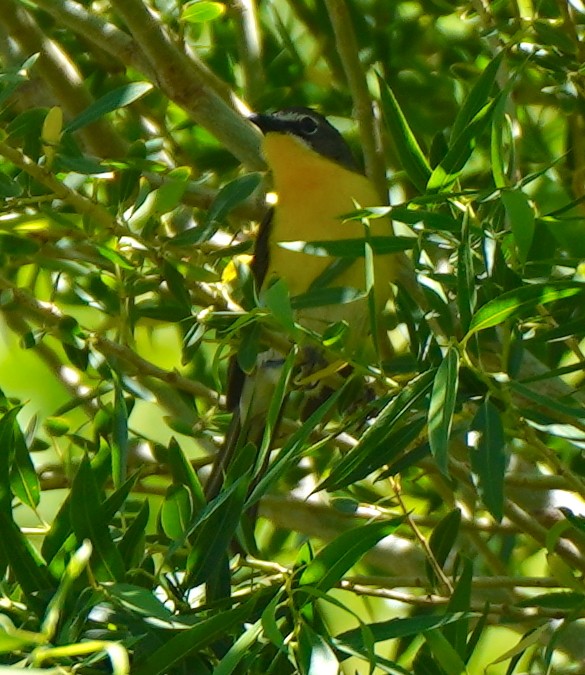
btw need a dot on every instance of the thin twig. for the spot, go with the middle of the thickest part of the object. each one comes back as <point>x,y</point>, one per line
<point>250,49</point>
<point>48,316</point>
<point>354,71</point>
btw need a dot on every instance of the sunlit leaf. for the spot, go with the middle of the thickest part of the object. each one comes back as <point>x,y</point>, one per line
<point>409,151</point>
<point>113,100</point>
<point>521,217</point>
<point>201,11</point>
<point>513,303</point>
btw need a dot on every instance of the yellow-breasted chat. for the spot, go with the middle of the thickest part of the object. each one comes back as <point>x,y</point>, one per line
<point>317,182</point>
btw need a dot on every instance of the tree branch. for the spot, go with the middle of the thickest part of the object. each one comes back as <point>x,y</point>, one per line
<point>182,82</point>
<point>62,76</point>
<point>354,71</point>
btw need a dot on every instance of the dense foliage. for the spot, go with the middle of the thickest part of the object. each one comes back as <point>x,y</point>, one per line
<point>434,527</point>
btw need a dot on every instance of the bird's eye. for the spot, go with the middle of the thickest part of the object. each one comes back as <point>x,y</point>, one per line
<point>308,125</point>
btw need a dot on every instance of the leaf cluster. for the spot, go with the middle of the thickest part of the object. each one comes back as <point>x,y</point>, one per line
<point>425,517</point>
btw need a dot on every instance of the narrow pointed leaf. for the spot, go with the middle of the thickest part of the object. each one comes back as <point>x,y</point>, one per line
<point>89,522</point>
<point>512,303</point>
<point>214,531</point>
<point>184,474</point>
<point>399,628</point>
<point>408,150</point>
<point>23,477</point>
<point>488,459</point>
<point>61,527</point>
<point>113,100</point>
<point>195,639</point>
<point>176,511</point>
<point>351,248</point>
<point>477,97</point>
<point>442,540</point>
<point>333,561</point>
<point>444,654</point>
<point>375,438</point>
<point>451,166</point>
<point>362,460</point>
<point>522,220</point>
<point>443,399</point>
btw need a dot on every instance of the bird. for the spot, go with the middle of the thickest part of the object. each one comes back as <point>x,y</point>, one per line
<point>317,181</point>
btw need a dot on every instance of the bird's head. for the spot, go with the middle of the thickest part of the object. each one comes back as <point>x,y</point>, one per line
<point>311,129</point>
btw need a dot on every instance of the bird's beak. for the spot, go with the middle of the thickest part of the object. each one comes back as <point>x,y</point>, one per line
<point>267,123</point>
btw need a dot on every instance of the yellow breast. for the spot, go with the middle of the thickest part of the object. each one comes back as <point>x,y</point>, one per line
<point>313,193</point>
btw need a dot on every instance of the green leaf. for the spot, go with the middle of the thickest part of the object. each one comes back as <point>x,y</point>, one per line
<point>249,347</point>
<point>17,246</point>
<point>553,405</point>
<point>350,248</point>
<point>170,193</point>
<point>333,561</point>
<point>561,600</point>
<point>500,123</point>
<point>183,473</point>
<point>176,284</point>
<point>323,297</point>
<point>451,166</point>
<point>274,412</point>
<point>408,150</point>
<point>374,441</point>
<point>466,287</point>
<point>293,449</point>
<point>176,511</point>
<point>199,11</point>
<point>101,465</point>
<point>114,257</point>
<point>269,623</point>
<point>276,297</point>
<point>140,601</point>
<point>8,424</point>
<point>442,540</point>
<point>488,459</point>
<point>214,531</point>
<point>239,650</point>
<point>477,97</point>
<point>229,196</point>
<point>522,220</point>
<point>443,399</point>
<point>431,219</point>
<point>119,436</point>
<point>460,601</point>
<point>89,522</point>
<point>364,459</point>
<point>25,563</point>
<point>204,633</point>
<point>399,628</point>
<point>131,546</point>
<point>9,187</point>
<point>315,655</point>
<point>513,303</point>
<point>23,477</point>
<point>113,100</point>
<point>443,652</point>
<point>76,565</point>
